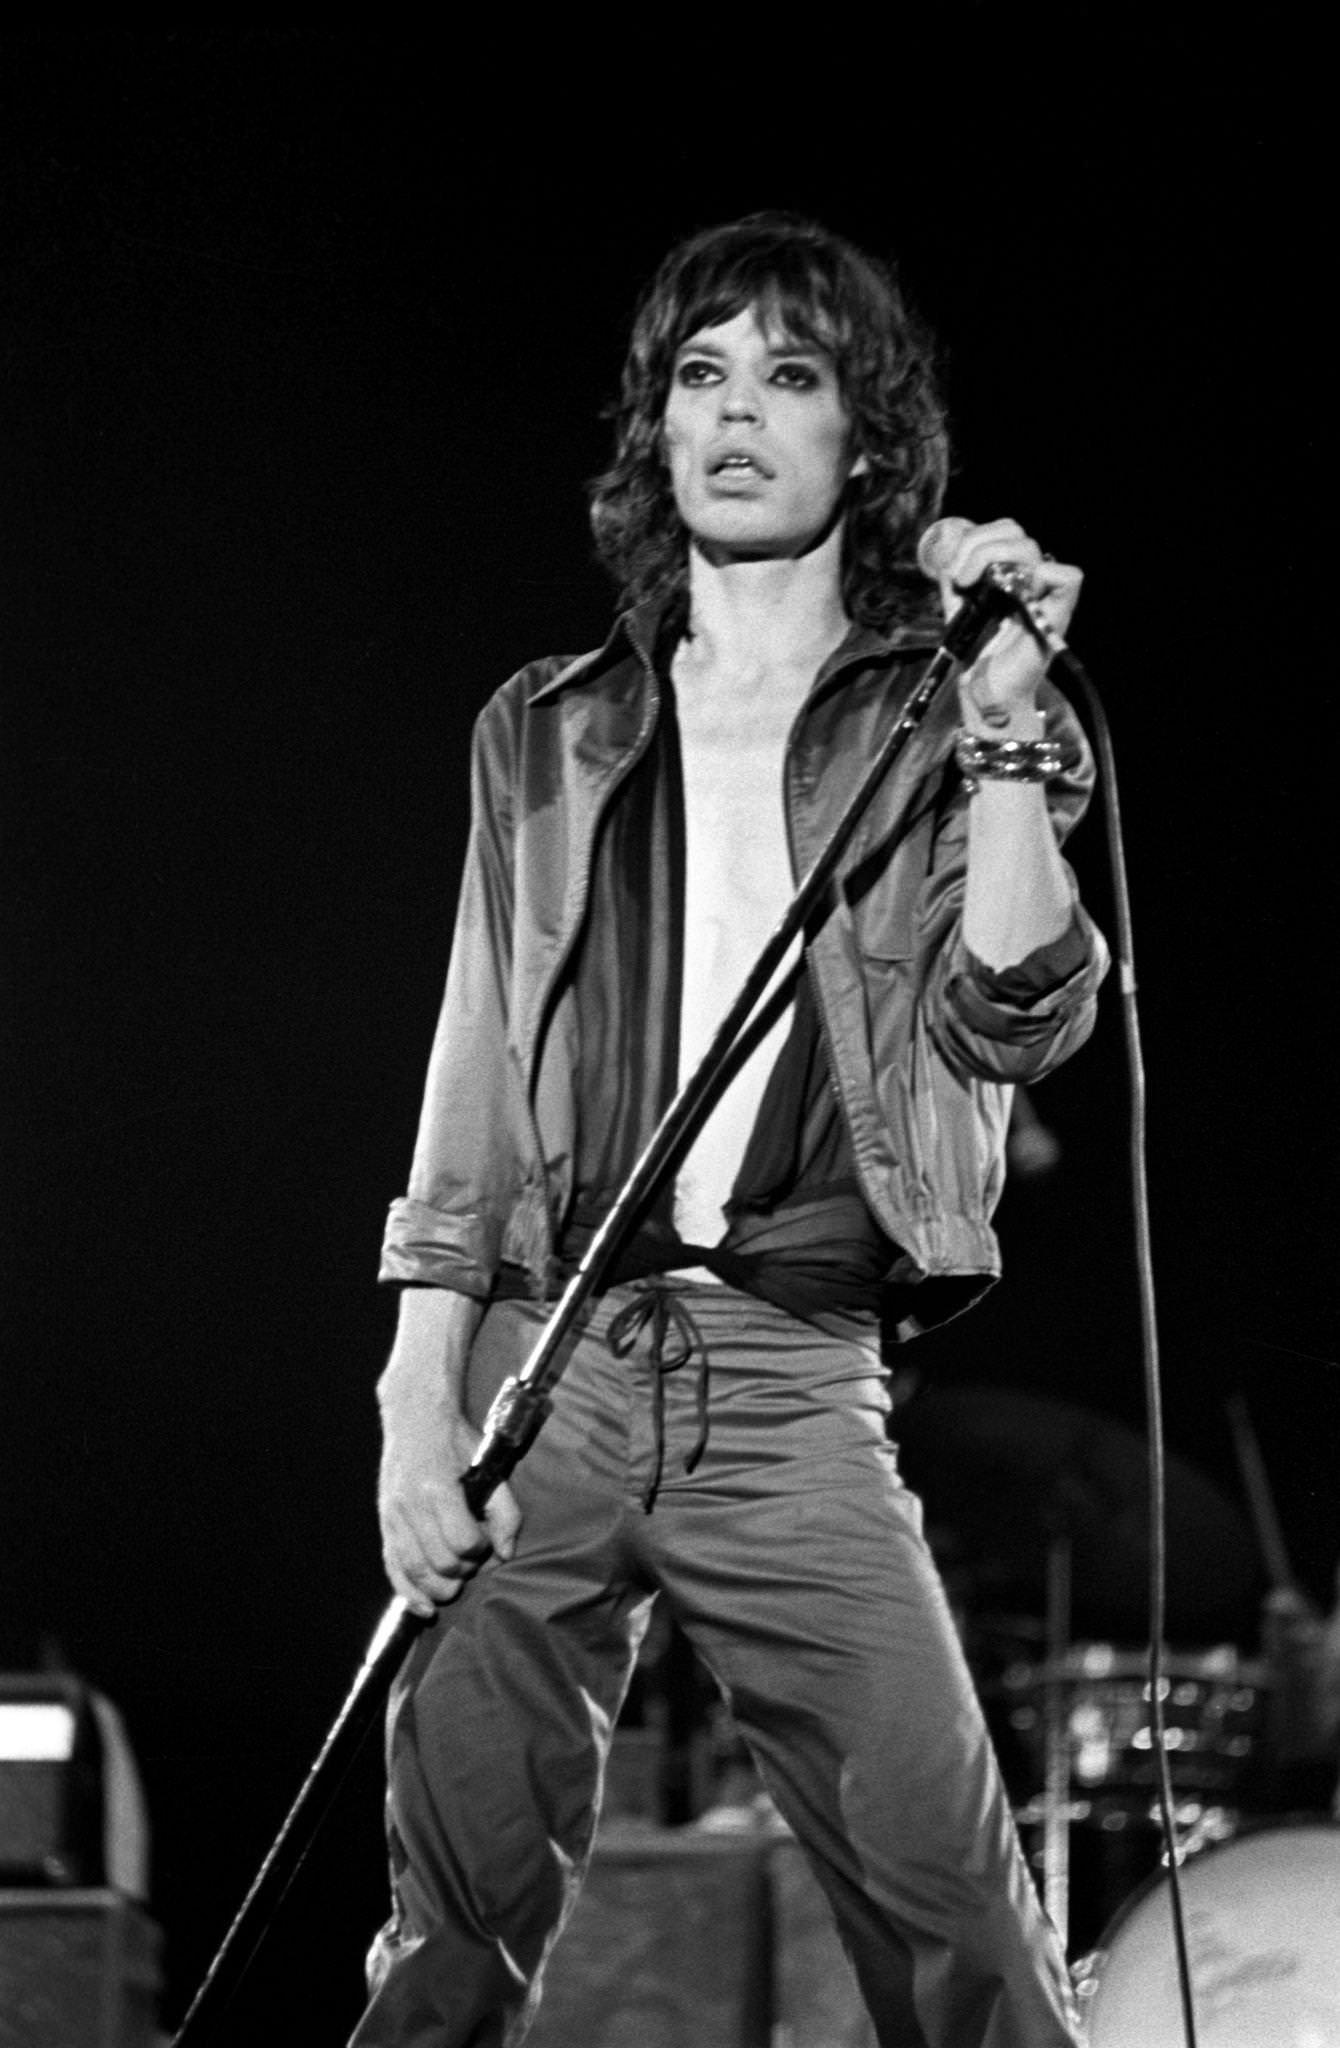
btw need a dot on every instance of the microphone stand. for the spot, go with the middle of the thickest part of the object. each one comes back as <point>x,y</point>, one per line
<point>523,1401</point>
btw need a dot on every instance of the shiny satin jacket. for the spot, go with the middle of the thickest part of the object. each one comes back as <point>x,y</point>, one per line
<point>923,1043</point>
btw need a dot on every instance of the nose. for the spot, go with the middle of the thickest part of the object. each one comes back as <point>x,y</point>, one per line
<point>740,398</point>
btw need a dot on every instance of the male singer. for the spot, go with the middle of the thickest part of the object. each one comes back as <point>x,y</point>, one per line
<point>640,818</point>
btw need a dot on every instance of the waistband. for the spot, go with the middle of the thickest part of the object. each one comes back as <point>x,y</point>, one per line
<point>670,1311</point>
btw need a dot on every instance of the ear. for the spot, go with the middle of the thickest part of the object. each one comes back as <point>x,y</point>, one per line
<point>861,467</point>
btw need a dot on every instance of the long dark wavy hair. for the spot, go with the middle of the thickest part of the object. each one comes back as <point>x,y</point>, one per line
<point>821,290</point>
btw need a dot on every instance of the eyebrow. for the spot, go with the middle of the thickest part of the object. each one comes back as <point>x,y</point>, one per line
<point>774,348</point>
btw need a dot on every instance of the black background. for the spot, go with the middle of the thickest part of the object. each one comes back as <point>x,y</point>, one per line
<point>306,343</point>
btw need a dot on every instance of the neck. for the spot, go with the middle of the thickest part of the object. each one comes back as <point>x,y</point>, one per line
<point>750,619</point>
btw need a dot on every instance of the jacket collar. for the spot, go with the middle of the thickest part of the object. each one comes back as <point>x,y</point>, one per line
<point>636,631</point>
<point>633,632</point>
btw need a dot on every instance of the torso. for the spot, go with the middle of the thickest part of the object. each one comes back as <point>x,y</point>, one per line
<point>737,884</point>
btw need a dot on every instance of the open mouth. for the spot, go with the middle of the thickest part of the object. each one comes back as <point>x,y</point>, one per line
<point>736,462</point>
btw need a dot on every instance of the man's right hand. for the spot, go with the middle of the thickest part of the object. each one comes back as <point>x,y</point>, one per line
<point>431,1543</point>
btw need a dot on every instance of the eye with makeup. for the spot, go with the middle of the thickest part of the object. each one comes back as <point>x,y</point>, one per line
<point>790,374</point>
<point>694,371</point>
<point>797,375</point>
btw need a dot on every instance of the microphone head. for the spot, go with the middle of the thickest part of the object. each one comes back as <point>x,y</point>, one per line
<point>939,544</point>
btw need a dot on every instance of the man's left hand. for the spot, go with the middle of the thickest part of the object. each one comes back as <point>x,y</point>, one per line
<point>1002,683</point>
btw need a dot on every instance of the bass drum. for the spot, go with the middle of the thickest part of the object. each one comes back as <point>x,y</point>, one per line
<point>1263,1931</point>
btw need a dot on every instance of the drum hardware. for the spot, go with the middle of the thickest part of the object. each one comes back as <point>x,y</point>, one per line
<point>1260,1498</point>
<point>1113,1852</point>
<point>1263,1918</point>
<point>1301,1646</point>
<point>1198,1827</point>
<point>1056,1747</point>
<point>1040,1504</point>
<point>1214,1701</point>
<point>1097,1696</point>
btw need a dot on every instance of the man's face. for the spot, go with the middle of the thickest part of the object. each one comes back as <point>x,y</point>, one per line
<point>758,440</point>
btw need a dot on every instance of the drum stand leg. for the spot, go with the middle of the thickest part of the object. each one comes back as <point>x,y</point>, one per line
<point>1056,1791</point>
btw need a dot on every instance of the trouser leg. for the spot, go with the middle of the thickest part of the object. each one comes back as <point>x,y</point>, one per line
<point>794,1558</point>
<point>498,1732</point>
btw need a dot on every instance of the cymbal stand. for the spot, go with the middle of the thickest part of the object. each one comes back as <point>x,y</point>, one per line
<point>1056,1808</point>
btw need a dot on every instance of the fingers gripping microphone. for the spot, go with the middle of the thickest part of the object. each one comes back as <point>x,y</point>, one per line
<point>993,597</point>
<point>1003,590</point>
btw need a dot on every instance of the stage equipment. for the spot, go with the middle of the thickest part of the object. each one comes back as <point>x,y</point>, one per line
<point>669,1942</point>
<point>1260,1499</point>
<point>71,1806</point>
<point>1213,1716</point>
<point>1084,1720</point>
<point>1044,1505</point>
<point>1263,1912</point>
<point>78,1955</point>
<point>685,1938</point>
<point>520,1408</point>
<point>78,1969</point>
<point>51,1783</point>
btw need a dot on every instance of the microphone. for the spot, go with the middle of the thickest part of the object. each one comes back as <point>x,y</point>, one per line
<point>939,544</point>
<point>1003,589</point>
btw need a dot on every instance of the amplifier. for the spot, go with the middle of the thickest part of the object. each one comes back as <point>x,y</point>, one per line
<point>78,1969</point>
<point>667,1947</point>
<point>688,1939</point>
<point>51,1783</point>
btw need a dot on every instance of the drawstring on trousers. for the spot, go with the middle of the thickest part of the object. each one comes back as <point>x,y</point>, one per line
<point>660,1310</point>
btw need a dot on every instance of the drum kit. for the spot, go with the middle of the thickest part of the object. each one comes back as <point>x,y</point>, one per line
<point>1037,1512</point>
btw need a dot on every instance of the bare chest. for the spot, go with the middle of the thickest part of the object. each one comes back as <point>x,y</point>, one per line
<point>734,817</point>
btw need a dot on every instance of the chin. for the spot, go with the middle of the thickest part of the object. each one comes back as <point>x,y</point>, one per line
<point>749,531</point>
<point>724,540</point>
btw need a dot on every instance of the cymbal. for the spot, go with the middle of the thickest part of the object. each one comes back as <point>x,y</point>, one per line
<point>1003,1473</point>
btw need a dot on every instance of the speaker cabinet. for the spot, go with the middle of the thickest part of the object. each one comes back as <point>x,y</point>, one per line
<point>691,1940</point>
<point>816,2003</point>
<point>667,1947</point>
<point>78,1969</point>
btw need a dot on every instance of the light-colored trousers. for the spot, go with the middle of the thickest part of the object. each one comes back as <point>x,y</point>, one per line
<point>793,1558</point>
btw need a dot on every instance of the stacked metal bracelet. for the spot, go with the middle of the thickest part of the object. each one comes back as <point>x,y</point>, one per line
<point>984,760</point>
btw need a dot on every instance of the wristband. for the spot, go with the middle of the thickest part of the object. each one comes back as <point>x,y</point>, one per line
<point>984,760</point>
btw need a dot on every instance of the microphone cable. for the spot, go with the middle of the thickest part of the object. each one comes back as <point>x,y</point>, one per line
<point>1010,588</point>
<point>1063,657</point>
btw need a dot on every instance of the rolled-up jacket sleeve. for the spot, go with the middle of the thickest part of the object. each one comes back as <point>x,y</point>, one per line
<point>446,1230</point>
<point>1016,1023</point>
